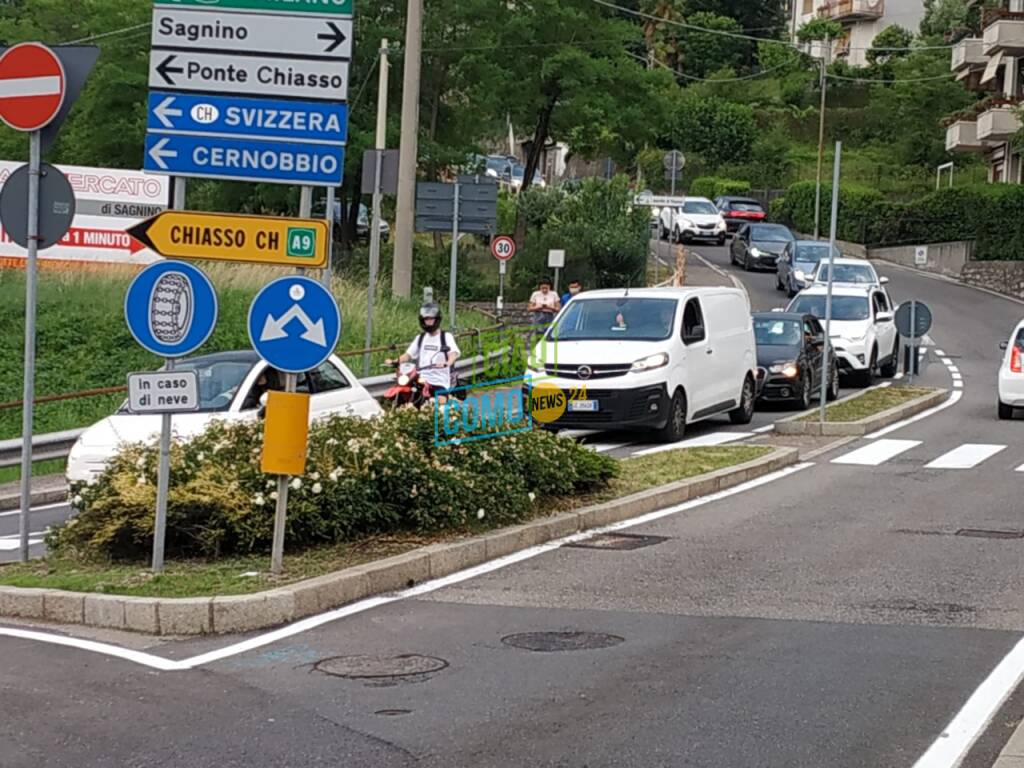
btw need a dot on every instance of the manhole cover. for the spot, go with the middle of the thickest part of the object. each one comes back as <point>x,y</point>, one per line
<point>618,541</point>
<point>372,667</point>
<point>981,533</point>
<point>549,642</point>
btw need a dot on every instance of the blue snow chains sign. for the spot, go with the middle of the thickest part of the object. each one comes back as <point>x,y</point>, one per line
<point>196,113</point>
<point>171,308</point>
<point>218,157</point>
<point>294,324</point>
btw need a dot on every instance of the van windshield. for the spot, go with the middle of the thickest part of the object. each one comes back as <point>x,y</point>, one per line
<point>621,318</point>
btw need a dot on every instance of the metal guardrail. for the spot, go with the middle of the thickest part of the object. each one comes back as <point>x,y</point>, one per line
<point>57,445</point>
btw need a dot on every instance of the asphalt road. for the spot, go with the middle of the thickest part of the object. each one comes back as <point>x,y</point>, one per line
<point>831,617</point>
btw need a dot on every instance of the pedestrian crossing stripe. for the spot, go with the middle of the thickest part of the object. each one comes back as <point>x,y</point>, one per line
<point>964,456</point>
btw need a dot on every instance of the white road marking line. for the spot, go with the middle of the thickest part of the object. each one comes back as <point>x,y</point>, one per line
<point>967,456</point>
<point>953,369</point>
<point>954,397</point>
<point>940,353</point>
<point>713,438</point>
<point>970,722</point>
<point>958,376</point>
<point>605,447</point>
<point>884,385</point>
<point>168,665</point>
<point>1020,468</point>
<point>898,376</point>
<point>958,385</point>
<point>762,430</point>
<point>947,362</point>
<point>43,508</point>
<point>928,340</point>
<point>479,570</point>
<point>877,452</point>
<point>9,545</point>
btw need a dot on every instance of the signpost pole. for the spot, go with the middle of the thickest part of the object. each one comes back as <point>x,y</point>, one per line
<point>501,288</point>
<point>163,477</point>
<point>825,367</point>
<point>452,280</point>
<point>912,357</point>
<point>163,484</point>
<point>35,161</point>
<point>381,143</point>
<point>328,272</point>
<point>281,510</point>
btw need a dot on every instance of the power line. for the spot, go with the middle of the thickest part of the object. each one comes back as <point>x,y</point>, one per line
<point>945,76</point>
<point>711,79</point>
<point>112,33</point>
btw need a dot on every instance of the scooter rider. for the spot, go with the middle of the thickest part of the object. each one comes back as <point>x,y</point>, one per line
<point>434,351</point>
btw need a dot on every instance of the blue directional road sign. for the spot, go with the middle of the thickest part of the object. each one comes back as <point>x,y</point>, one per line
<point>282,162</point>
<point>215,115</point>
<point>171,308</point>
<point>294,324</point>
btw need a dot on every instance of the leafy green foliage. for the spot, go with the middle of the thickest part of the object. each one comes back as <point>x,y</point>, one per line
<point>888,44</point>
<point>713,186</point>
<point>715,129</point>
<point>703,53</point>
<point>819,29</point>
<point>361,478</point>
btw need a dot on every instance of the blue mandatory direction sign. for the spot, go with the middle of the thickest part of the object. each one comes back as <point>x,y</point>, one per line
<point>217,157</point>
<point>294,324</point>
<point>197,113</point>
<point>171,308</point>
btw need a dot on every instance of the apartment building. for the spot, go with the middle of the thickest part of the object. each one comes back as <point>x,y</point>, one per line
<point>989,63</point>
<point>862,20</point>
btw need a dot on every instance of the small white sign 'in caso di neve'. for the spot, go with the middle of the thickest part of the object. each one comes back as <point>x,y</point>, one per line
<point>163,392</point>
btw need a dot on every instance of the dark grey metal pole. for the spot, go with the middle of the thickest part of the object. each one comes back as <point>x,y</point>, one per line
<point>34,164</point>
<point>281,510</point>
<point>452,280</point>
<point>163,484</point>
<point>828,296</point>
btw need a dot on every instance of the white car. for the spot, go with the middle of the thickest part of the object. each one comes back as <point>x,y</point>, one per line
<point>847,271</point>
<point>1011,374</point>
<point>696,219</point>
<point>230,387</point>
<point>650,358</point>
<point>863,332</point>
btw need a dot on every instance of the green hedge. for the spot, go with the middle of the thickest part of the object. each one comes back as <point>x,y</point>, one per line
<point>991,214</point>
<point>362,478</point>
<point>713,186</point>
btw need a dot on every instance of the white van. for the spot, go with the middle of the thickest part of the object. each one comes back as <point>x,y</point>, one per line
<point>650,358</point>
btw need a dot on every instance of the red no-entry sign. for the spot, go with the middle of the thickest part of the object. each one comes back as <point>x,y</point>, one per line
<point>32,86</point>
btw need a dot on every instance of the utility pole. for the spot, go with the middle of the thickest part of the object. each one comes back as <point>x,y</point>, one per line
<point>380,145</point>
<point>826,55</point>
<point>825,363</point>
<point>401,278</point>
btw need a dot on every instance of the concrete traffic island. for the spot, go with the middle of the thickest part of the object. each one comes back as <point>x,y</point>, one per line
<point>806,423</point>
<point>222,615</point>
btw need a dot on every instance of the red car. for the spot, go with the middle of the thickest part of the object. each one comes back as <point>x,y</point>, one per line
<point>738,211</point>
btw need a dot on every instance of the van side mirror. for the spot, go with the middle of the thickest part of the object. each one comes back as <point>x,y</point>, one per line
<point>696,333</point>
<point>884,317</point>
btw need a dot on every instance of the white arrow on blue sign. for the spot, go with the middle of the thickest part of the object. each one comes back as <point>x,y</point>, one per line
<point>294,324</point>
<point>319,165</point>
<point>314,121</point>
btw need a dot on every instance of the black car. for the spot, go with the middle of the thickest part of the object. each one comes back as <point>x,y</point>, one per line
<point>759,245</point>
<point>789,350</point>
<point>738,211</point>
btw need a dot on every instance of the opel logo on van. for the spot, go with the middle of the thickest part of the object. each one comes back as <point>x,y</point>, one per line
<point>584,372</point>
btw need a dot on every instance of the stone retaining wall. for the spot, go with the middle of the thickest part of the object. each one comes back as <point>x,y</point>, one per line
<point>1001,276</point>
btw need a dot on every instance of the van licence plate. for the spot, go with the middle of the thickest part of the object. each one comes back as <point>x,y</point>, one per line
<point>583,405</point>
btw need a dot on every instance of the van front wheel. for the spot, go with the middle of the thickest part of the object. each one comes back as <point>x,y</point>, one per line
<point>675,428</point>
<point>744,413</point>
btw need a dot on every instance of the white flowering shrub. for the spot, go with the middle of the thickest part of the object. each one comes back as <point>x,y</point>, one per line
<point>362,478</point>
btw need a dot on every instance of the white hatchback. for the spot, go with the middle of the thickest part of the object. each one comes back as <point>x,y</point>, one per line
<point>1011,374</point>
<point>230,387</point>
<point>696,219</point>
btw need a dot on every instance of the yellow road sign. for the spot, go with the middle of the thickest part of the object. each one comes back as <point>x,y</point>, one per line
<point>226,237</point>
<point>285,434</point>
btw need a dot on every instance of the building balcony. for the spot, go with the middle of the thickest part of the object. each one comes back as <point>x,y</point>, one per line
<point>997,124</point>
<point>851,10</point>
<point>962,136</point>
<point>968,56</point>
<point>1004,35</point>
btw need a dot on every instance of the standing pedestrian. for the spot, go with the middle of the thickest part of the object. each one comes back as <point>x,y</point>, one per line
<point>575,286</point>
<point>544,304</point>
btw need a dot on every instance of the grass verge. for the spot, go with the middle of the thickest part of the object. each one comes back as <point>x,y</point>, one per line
<point>39,469</point>
<point>242,575</point>
<point>871,403</point>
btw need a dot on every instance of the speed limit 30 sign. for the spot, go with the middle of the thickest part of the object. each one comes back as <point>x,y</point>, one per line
<point>503,248</point>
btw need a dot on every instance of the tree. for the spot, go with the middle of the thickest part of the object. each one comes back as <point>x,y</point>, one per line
<point>893,42</point>
<point>715,129</point>
<point>703,53</point>
<point>943,17</point>
<point>819,29</point>
<point>761,18</point>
